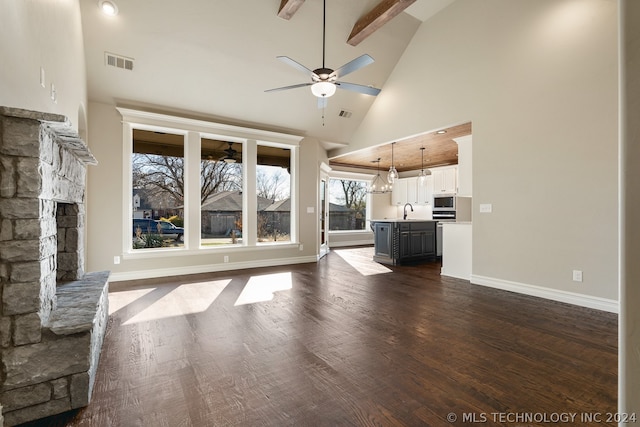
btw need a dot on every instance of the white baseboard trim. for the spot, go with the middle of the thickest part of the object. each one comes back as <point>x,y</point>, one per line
<point>207,268</point>
<point>582,300</point>
<point>444,272</point>
<point>350,243</point>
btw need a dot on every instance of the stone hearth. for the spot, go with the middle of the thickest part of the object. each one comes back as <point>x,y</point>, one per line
<point>52,316</point>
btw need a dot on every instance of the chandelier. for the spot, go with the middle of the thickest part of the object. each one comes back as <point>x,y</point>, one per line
<point>378,185</point>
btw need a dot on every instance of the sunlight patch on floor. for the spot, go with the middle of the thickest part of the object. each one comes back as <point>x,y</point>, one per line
<point>362,261</point>
<point>119,300</point>
<point>262,288</point>
<point>189,298</point>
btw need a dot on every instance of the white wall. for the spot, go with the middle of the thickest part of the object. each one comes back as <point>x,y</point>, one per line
<point>47,34</point>
<point>538,80</point>
<point>105,208</point>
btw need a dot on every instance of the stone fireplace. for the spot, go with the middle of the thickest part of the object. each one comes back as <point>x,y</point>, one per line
<point>53,316</point>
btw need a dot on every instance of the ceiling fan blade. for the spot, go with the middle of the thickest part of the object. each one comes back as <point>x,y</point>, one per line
<point>296,65</point>
<point>322,102</point>
<point>367,90</point>
<point>356,64</point>
<point>288,87</point>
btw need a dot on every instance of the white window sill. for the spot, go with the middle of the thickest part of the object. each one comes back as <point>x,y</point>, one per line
<point>173,252</point>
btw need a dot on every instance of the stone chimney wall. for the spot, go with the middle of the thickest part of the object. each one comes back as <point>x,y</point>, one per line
<point>48,349</point>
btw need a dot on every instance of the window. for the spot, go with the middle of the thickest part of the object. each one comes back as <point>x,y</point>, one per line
<point>273,192</point>
<point>197,185</point>
<point>221,204</point>
<point>157,164</point>
<point>347,204</point>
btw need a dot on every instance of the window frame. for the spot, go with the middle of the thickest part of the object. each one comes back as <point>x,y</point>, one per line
<point>193,131</point>
<point>293,235</point>
<point>353,176</point>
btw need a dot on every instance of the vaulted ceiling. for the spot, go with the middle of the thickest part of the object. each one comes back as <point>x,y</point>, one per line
<point>215,59</point>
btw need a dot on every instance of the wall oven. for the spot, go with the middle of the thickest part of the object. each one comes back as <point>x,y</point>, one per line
<point>444,202</point>
<point>444,216</point>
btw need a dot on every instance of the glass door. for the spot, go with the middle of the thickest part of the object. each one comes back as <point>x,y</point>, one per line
<point>324,215</point>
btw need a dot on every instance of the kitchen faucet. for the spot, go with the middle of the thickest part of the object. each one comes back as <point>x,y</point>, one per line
<point>405,210</point>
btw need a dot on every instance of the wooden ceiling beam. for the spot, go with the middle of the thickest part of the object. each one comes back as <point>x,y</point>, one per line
<point>385,11</point>
<point>288,8</point>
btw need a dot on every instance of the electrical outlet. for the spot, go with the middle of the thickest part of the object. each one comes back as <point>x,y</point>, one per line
<point>577,275</point>
<point>226,258</point>
<point>116,259</point>
<point>301,247</point>
<point>54,94</point>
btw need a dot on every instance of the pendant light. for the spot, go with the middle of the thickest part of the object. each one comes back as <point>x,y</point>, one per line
<point>392,176</point>
<point>422,176</point>
<point>378,185</point>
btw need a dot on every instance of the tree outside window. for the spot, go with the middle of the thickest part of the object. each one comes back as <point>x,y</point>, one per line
<point>347,204</point>
<point>157,190</point>
<point>159,196</point>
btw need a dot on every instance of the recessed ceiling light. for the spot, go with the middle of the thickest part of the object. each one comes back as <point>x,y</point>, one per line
<point>440,132</point>
<point>108,7</point>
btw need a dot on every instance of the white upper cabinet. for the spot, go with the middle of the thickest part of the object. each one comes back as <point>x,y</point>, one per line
<point>399,192</point>
<point>464,166</point>
<point>412,190</point>
<point>445,180</point>
<point>425,192</point>
<point>409,190</point>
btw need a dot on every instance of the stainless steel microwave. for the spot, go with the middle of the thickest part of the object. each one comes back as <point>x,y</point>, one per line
<point>444,202</point>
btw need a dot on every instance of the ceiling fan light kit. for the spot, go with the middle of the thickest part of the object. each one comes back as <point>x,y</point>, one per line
<point>108,7</point>
<point>323,89</point>
<point>324,81</point>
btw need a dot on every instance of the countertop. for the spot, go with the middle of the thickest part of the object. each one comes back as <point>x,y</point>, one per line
<point>457,223</point>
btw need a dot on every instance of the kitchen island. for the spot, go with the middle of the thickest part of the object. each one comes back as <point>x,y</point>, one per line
<point>398,241</point>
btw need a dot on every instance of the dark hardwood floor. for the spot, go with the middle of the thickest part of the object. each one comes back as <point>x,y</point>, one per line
<point>345,342</point>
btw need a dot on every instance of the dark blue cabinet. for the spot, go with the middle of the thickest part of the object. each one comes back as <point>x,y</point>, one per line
<point>398,242</point>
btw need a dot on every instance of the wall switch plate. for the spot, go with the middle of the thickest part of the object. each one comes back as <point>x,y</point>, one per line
<point>54,94</point>
<point>486,207</point>
<point>42,77</point>
<point>116,259</point>
<point>301,247</point>
<point>577,275</point>
<point>310,209</point>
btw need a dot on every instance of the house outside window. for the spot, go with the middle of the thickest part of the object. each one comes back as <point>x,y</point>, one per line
<point>221,199</point>
<point>273,192</point>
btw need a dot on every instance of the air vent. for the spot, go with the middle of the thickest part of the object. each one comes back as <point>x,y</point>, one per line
<point>345,114</point>
<point>118,61</point>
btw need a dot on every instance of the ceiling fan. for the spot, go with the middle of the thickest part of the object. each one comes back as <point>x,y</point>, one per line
<point>324,81</point>
<point>230,154</point>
